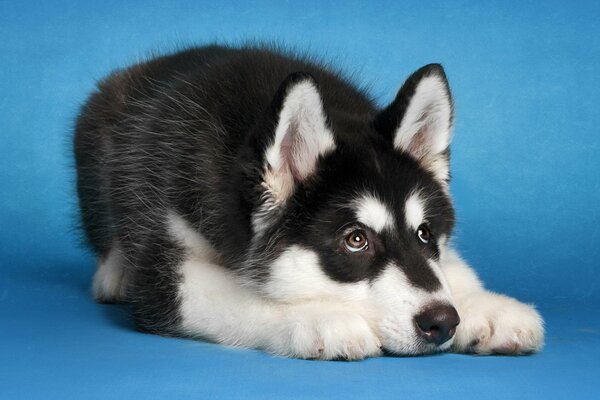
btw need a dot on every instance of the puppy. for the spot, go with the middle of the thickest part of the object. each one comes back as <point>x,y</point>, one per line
<point>258,199</point>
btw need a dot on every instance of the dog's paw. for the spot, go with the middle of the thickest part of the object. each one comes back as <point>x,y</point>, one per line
<point>495,324</point>
<point>319,331</point>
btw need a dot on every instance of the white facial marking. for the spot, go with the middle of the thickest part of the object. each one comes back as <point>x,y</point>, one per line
<point>297,275</point>
<point>374,214</point>
<point>398,302</point>
<point>414,211</point>
<point>439,274</point>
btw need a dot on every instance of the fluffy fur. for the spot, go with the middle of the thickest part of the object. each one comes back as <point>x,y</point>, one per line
<point>258,199</point>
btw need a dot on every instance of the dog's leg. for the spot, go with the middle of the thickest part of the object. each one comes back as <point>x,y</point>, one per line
<point>216,306</point>
<point>490,322</point>
<point>110,280</point>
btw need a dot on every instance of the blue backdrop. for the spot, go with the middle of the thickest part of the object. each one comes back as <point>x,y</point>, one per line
<point>525,180</point>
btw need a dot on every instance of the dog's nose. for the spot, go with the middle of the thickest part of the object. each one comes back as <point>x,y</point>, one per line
<point>437,324</point>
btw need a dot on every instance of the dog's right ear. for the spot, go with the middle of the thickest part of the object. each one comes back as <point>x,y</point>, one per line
<point>301,136</point>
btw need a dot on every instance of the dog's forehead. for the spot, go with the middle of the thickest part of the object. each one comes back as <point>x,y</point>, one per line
<point>383,188</point>
<point>378,214</point>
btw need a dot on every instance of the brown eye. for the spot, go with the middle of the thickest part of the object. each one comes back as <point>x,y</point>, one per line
<point>357,241</point>
<point>424,234</point>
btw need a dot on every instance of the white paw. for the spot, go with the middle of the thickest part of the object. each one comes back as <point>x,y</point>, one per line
<point>322,331</point>
<point>495,324</point>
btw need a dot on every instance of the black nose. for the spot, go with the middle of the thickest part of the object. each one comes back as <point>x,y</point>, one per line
<point>437,324</point>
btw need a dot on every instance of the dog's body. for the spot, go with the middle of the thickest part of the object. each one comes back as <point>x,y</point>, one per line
<point>257,199</point>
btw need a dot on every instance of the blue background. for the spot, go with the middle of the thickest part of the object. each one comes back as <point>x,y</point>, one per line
<point>525,78</point>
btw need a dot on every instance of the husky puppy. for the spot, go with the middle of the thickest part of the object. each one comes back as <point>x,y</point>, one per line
<point>255,198</point>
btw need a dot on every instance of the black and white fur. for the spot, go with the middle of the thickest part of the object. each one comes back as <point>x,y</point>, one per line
<point>226,192</point>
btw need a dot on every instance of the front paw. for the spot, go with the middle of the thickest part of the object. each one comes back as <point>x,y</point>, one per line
<point>326,332</point>
<point>495,324</point>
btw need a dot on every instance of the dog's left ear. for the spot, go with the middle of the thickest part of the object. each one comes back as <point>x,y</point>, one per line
<point>419,120</point>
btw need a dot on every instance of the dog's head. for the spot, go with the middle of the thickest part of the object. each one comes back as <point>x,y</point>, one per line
<point>355,208</point>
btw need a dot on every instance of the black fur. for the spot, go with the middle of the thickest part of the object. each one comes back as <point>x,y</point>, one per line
<point>188,132</point>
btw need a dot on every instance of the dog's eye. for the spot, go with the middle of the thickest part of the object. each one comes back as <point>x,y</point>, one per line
<point>357,241</point>
<point>424,234</point>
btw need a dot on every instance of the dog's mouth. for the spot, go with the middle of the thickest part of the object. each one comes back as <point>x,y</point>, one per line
<point>427,335</point>
<point>420,348</point>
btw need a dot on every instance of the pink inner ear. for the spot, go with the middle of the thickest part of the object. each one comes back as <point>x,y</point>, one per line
<point>418,143</point>
<point>289,146</point>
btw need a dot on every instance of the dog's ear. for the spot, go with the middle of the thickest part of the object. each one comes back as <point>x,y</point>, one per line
<point>301,135</point>
<point>419,120</point>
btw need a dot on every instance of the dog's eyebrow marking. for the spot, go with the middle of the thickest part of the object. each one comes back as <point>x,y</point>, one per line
<point>373,213</point>
<point>414,210</point>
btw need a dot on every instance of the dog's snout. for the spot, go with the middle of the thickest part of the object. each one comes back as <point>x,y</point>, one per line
<point>437,324</point>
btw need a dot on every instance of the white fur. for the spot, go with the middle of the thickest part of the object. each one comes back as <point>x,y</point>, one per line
<point>215,305</point>
<point>324,330</point>
<point>191,240</point>
<point>303,117</point>
<point>414,211</point>
<point>110,280</point>
<point>428,109</point>
<point>297,276</point>
<point>397,302</point>
<point>425,129</point>
<point>490,322</point>
<point>373,213</point>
